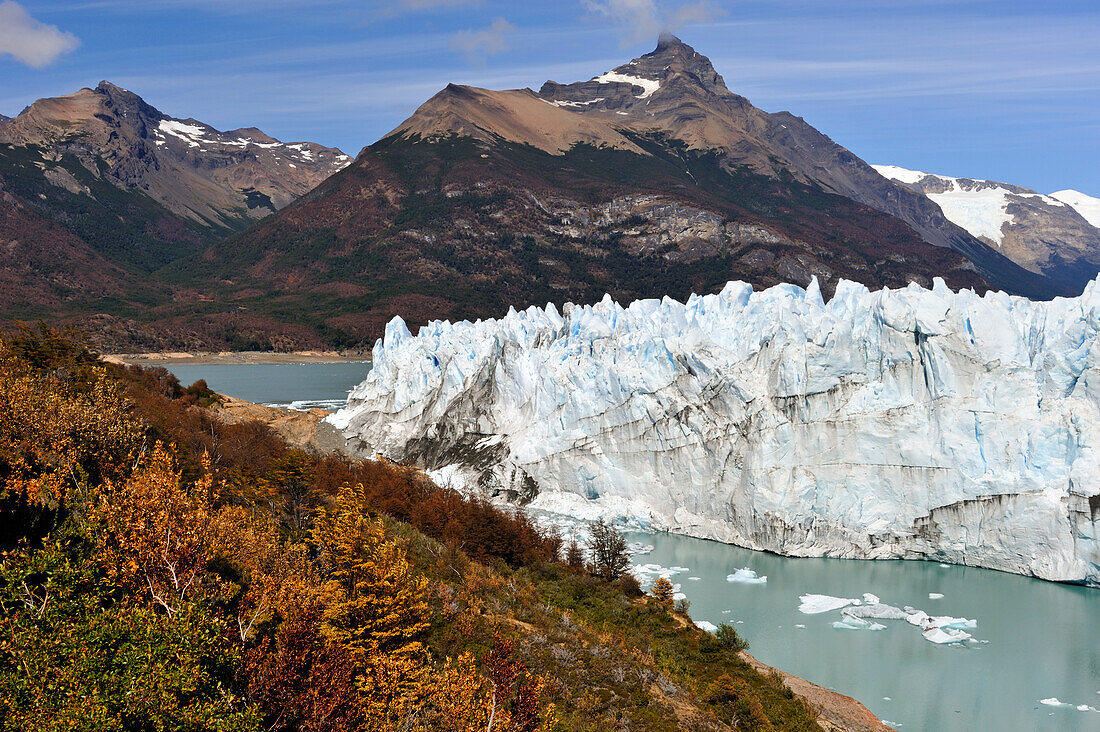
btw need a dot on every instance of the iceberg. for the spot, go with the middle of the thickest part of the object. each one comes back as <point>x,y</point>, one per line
<point>817,604</point>
<point>706,625</point>
<point>945,636</point>
<point>913,423</point>
<point>878,610</point>
<point>746,576</point>
<point>849,621</point>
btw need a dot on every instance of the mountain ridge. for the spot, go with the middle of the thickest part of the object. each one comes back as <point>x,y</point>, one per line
<point>1042,233</point>
<point>652,179</point>
<point>649,180</point>
<point>101,177</point>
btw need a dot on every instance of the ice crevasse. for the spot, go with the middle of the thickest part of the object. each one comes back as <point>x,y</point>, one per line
<point>906,423</point>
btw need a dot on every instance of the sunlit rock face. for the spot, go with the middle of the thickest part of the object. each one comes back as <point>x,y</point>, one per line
<point>908,423</point>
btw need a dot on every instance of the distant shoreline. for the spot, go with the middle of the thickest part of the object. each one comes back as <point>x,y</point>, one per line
<point>231,357</point>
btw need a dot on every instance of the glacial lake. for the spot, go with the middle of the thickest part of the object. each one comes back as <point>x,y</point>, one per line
<point>1034,640</point>
<point>293,385</point>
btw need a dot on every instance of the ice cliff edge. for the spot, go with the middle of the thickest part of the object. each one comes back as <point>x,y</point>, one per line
<point>898,423</point>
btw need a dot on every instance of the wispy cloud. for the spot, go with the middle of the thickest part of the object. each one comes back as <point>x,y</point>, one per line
<point>639,20</point>
<point>485,42</point>
<point>29,41</point>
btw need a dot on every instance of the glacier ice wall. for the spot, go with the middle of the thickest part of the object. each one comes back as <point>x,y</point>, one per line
<point>899,423</point>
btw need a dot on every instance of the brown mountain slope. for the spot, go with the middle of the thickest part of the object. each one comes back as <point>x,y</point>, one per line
<point>454,227</point>
<point>518,116</point>
<point>45,270</point>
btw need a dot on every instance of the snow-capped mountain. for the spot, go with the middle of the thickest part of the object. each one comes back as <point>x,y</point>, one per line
<point>905,423</point>
<point>1056,235</point>
<point>646,180</point>
<point>222,180</point>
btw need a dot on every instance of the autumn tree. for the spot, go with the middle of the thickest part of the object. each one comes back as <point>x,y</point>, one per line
<point>290,481</point>
<point>153,533</point>
<point>607,550</point>
<point>574,555</point>
<point>378,607</point>
<point>663,591</point>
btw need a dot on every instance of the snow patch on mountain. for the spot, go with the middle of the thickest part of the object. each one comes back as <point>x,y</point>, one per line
<point>648,85</point>
<point>197,135</point>
<point>902,175</point>
<point>189,133</point>
<point>892,424</point>
<point>1087,206</point>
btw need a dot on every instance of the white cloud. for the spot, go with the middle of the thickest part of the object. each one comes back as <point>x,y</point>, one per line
<point>29,41</point>
<point>639,20</point>
<point>485,42</point>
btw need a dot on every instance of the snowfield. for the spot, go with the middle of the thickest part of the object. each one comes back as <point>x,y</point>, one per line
<point>979,206</point>
<point>899,423</point>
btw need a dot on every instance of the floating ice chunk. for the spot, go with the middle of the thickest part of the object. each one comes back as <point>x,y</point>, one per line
<point>918,617</point>
<point>944,565</point>
<point>677,596</point>
<point>1056,702</point>
<point>870,599</point>
<point>695,579</point>
<point>746,576</point>
<point>935,596</point>
<point>886,698</point>
<point>816,604</point>
<point>656,570</point>
<point>878,610</point>
<point>706,625</point>
<point>638,548</point>
<point>799,625</point>
<point>851,622</point>
<point>944,636</point>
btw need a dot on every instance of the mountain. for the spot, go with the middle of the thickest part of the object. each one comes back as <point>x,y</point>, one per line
<point>913,423</point>
<point>1057,235</point>
<point>652,179</point>
<point>219,181</point>
<point>102,178</point>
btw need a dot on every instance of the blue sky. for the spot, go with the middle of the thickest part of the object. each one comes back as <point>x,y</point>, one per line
<point>995,89</point>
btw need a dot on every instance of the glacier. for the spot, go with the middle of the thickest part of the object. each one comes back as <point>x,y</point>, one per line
<point>911,423</point>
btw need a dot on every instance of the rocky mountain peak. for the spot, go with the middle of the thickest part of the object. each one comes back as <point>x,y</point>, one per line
<point>127,105</point>
<point>671,73</point>
<point>673,57</point>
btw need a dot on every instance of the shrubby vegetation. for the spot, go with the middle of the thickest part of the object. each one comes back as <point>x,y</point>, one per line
<point>162,569</point>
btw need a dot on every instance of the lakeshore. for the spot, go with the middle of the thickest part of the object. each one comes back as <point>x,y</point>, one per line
<point>166,358</point>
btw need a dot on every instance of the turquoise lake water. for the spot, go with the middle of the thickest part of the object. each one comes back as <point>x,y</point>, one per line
<point>296,385</point>
<point>1035,640</point>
